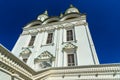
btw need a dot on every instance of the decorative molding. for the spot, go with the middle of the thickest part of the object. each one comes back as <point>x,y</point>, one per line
<point>51,44</point>
<point>33,32</point>
<point>90,72</point>
<point>57,25</point>
<point>12,64</point>
<point>96,72</point>
<point>69,46</point>
<point>25,32</point>
<point>44,59</point>
<point>44,56</point>
<point>26,51</point>
<point>52,27</point>
<point>68,25</point>
<point>29,47</point>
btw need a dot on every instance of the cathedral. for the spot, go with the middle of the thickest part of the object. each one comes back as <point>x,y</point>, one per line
<point>55,48</point>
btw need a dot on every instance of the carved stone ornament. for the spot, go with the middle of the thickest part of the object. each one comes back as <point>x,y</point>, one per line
<point>26,51</point>
<point>69,46</point>
<point>45,64</point>
<point>45,56</point>
<point>34,32</point>
<point>79,23</point>
<point>68,25</point>
<point>25,32</point>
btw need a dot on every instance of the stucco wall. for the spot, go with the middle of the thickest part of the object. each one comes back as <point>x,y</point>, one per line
<point>85,52</point>
<point>5,76</point>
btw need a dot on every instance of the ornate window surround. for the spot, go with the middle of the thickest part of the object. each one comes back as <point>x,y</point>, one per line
<point>67,47</point>
<point>53,32</point>
<point>49,44</point>
<point>69,35</point>
<point>49,38</point>
<point>44,57</point>
<point>71,59</point>
<point>25,53</point>
<point>32,33</point>
<point>32,40</point>
<point>71,27</point>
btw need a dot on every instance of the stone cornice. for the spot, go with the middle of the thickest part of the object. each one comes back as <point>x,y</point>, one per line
<point>15,66</point>
<point>69,46</point>
<point>60,22</point>
<point>9,59</point>
<point>44,56</point>
<point>52,26</point>
<point>105,69</point>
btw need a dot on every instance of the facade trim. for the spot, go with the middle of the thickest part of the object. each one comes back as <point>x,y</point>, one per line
<point>14,65</point>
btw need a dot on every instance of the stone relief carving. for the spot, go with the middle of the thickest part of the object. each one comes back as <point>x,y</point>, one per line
<point>45,64</point>
<point>25,53</point>
<point>44,59</point>
<point>53,26</point>
<point>69,46</point>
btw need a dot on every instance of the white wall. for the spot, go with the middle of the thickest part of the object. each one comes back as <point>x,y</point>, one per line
<point>22,42</point>
<point>86,55</point>
<point>4,76</point>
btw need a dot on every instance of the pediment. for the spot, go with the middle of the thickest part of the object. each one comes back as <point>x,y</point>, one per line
<point>69,46</point>
<point>26,51</point>
<point>44,56</point>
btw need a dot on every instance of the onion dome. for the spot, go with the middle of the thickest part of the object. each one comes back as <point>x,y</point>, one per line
<point>43,16</point>
<point>33,24</point>
<point>72,9</point>
<point>51,20</point>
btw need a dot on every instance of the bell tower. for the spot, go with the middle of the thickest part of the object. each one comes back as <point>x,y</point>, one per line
<point>56,41</point>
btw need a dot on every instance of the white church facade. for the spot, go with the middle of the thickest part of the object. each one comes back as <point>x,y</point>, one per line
<point>55,48</point>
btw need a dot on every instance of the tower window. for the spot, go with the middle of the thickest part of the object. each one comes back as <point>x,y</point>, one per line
<point>69,35</point>
<point>25,60</point>
<point>24,55</point>
<point>32,40</point>
<point>71,61</point>
<point>49,38</point>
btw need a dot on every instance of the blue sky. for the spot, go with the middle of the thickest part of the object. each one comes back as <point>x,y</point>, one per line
<point>103,17</point>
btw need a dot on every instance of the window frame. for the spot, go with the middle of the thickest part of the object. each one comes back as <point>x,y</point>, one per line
<point>49,39</point>
<point>25,59</point>
<point>69,35</point>
<point>73,35</point>
<point>71,62</point>
<point>32,40</point>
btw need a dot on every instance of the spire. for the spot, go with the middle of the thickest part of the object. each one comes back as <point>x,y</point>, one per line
<point>61,15</point>
<point>72,9</point>
<point>71,6</point>
<point>43,16</point>
<point>46,12</point>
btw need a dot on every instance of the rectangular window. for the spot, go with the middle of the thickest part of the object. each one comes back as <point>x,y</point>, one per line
<point>49,38</point>
<point>32,40</point>
<point>69,35</point>
<point>71,61</point>
<point>25,60</point>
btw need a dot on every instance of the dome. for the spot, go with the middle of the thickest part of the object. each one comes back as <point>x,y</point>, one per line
<point>69,16</point>
<point>33,24</point>
<point>43,16</point>
<point>51,20</point>
<point>72,9</point>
